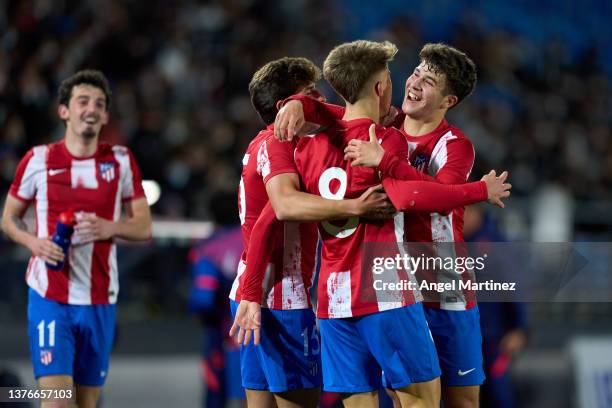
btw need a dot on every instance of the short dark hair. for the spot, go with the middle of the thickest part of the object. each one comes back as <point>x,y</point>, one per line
<point>349,66</point>
<point>88,77</point>
<point>278,80</point>
<point>458,69</point>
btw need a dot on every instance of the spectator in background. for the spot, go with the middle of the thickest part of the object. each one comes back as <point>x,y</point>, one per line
<point>503,325</point>
<point>214,263</point>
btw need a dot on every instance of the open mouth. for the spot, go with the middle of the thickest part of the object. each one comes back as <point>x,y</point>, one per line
<point>413,97</point>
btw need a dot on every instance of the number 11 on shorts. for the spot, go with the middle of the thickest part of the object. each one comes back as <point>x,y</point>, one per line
<point>41,333</point>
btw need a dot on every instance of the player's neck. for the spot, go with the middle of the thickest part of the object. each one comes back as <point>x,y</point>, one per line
<point>79,146</point>
<point>363,108</point>
<point>422,126</point>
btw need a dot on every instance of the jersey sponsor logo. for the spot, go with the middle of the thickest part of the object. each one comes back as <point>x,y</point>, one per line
<point>420,162</point>
<point>55,172</point>
<point>462,373</point>
<point>46,357</point>
<point>107,171</point>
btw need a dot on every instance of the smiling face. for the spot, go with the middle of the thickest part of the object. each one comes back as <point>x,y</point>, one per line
<point>86,112</point>
<point>425,94</point>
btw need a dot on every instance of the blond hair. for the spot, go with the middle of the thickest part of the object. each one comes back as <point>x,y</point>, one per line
<point>349,66</point>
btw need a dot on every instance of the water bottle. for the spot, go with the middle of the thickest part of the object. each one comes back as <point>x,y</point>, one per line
<point>63,233</point>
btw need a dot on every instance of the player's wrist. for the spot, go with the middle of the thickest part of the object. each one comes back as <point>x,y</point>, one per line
<point>114,229</point>
<point>385,161</point>
<point>484,191</point>
<point>27,240</point>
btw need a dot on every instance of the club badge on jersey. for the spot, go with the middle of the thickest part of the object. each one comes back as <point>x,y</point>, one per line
<point>421,163</point>
<point>107,171</point>
<point>46,357</point>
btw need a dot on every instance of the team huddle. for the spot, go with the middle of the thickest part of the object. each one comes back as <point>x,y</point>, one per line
<point>346,177</point>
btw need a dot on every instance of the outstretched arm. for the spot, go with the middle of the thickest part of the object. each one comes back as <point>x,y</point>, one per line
<point>433,197</point>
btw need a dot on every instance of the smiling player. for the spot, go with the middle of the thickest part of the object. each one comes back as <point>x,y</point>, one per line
<point>71,312</point>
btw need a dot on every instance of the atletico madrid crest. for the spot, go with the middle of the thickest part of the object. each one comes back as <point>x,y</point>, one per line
<point>46,357</point>
<point>107,171</point>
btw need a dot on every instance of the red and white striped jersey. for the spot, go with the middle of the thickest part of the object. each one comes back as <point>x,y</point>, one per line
<point>346,285</point>
<point>289,274</point>
<point>447,155</point>
<point>55,181</point>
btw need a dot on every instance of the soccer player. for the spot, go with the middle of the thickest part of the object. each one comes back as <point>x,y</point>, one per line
<point>71,312</point>
<point>287,363</point>
<point>444,77</point>
<point>355,328</point>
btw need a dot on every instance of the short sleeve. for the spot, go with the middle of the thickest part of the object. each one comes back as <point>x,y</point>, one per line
<point>274,157</point>
<point>452,159</point>
<point>131,180</point>
<point>24,184</point>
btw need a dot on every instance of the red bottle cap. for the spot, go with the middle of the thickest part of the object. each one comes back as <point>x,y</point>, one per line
<point>67,218</point>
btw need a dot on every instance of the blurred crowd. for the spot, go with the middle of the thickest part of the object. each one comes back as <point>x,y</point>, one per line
<point>180,70</point>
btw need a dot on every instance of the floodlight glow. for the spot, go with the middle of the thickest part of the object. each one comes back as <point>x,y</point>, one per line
<point>152,191</point>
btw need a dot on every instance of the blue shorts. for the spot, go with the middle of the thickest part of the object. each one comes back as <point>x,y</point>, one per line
<point>392,348</point>
<point>288,356</point>
<point>459,344</point>
<point>70,340</point>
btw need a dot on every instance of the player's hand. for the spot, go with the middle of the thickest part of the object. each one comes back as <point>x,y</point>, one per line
<point>248,319</point>
<point>362,153</point>
<point>374,204</point>
<point>91,228</point>
<point>497,187</point>
<point>389,118</point>
<point>289,121</point>
<point>46,249</point>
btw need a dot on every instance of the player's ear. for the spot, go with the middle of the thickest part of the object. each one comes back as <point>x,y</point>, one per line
<point>449,101</point>
<point>378,88</point>
<point>62,111</point>
<point>279,105</point>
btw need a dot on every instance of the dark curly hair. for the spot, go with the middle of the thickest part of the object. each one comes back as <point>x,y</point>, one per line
<point>458,69</point>
<point>277,80</point>
<point>89,77</point>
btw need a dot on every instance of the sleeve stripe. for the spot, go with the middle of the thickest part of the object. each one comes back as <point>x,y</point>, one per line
<point>25,186</point>
<point>125,174</point>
